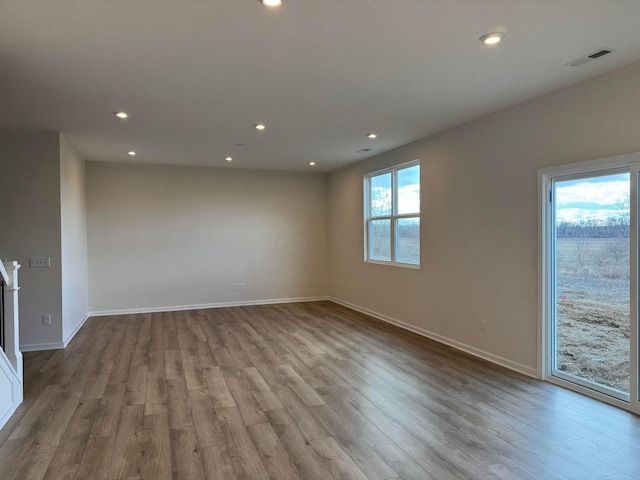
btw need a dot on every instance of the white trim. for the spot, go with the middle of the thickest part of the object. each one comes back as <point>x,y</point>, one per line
<point>8,279</point>
<point>476,352</point>
<point>411,266</point>
<point>179,308</point>
<point>393,217</point>
<point>5,365</point>
<point>546,246</point>
<point>16,389</point>
<point>544,192</point>
<point>596,387</point>
<point>75,330</point>
<point>400,166</point>
<point>4,418</point>
<point>588,392</point>
<point>36,347</point>
<point>593,166</point>
<point>4,275</point>
<point>634,373</point>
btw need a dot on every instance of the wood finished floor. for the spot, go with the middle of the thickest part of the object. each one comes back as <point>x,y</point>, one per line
<point>296,391</point>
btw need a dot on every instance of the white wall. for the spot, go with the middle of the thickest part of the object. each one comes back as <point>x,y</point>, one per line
<point>479,215</point>
<point>74,239</point>
<point>30,192</point>
<point>164,236</point>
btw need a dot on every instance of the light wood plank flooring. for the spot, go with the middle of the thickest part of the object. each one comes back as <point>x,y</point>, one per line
<point>296,391</point>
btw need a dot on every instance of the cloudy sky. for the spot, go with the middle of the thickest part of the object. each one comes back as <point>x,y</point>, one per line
<point>591,198</point>
<point>408,192</point>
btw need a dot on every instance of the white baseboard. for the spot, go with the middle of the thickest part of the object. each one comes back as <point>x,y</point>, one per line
<point>476,352</point>
<point>180,308</point>
<point>504,362</point>
<point>36,347</point>
<point>75,330</point>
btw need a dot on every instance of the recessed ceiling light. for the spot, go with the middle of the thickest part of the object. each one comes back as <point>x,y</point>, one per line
<point>132,153</point>
<point>228,159</point>
<point>372,136</point>
<point>271,3</point>
<point>492,38</point>
<point>121,115</point>
<point>312,164</point>
<point>260,126</point>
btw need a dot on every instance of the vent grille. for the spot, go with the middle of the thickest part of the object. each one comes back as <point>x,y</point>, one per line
<point>599,54</point>
<point>589,57</point>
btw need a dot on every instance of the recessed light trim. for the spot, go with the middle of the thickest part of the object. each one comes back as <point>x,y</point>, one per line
<point>229,159</point>
<point>271,3</point>
<point>260,126</point>
<point>492,38</point>
<point>121,115</point>
<point>372,135</point>
<point>312,164</point>
<point>131,153</point>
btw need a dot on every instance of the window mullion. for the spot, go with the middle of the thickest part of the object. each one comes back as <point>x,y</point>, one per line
<point>394,213</point>
<point>392,219</point>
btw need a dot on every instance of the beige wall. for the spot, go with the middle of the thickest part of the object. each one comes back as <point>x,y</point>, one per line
<point>74,239</point>
<point>162,236</point>
<point>479,216</point>
<point>30,227</point>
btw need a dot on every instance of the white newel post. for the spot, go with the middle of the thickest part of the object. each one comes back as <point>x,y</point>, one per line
<point>12,323</point>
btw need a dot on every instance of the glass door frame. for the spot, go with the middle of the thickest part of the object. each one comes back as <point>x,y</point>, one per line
<point>546,272</point>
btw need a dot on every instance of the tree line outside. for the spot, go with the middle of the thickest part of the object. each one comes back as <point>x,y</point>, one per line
<point>592,324</point>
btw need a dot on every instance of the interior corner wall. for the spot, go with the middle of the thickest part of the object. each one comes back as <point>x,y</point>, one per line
<point>165,237</point>
<point>30,189</point>
<point>73,215</point>
<point>479,251</point>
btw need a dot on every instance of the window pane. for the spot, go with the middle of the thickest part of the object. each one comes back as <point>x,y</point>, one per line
<point>380,240</point>
<point>409,190</point>
<point>380,195</point>
<point>592,280</point>
<point>408,241</point>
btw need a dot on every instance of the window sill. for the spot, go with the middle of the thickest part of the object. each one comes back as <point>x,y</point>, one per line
<point>410,266</point>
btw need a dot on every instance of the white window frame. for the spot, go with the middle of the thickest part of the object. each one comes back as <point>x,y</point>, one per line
<point>394,217</point>
<point>546,304</point>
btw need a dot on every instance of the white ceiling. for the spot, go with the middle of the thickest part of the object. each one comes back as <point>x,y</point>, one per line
<point>195,75</point>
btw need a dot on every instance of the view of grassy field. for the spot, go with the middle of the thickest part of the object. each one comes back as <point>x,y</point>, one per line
<point>592,322</point>
<point>408,242</point>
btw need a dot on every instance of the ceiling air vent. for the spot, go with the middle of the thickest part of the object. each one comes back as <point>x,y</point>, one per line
<point>588,57</point>
<point>363,150</point>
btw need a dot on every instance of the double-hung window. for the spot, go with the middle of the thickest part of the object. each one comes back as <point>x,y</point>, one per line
<point>392,215</point>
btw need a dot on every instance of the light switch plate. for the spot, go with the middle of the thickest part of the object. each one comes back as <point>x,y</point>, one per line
<point>40,262</point>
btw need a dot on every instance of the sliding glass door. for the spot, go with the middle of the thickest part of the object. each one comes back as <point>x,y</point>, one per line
<point>592,282</point>
<point>590,292</point>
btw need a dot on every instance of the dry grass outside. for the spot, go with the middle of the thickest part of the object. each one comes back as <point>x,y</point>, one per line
<point>593,327</point>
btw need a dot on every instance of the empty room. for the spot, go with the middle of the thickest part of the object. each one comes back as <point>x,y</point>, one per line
<point>338,239</point>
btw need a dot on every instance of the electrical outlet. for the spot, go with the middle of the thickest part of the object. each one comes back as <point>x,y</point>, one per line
<point>46,319</point>
<point>40,262</point>
<point>483,326</point>
<point>239,287</point>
